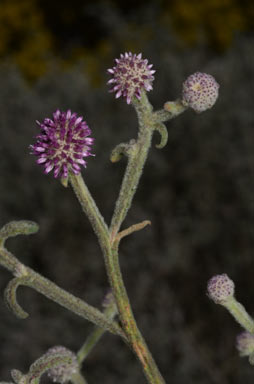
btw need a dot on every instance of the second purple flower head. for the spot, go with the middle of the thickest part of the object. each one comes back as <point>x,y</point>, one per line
<point>130,75</point>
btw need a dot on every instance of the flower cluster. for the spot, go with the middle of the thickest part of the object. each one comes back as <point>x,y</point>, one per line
<point>63,143</point>
<point>245,343</point>
<point>131,75</point>
<point>200,91</point>
<point>64,372</point>
<point>220,288</point>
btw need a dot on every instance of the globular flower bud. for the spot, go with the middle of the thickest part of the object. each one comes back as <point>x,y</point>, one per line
<point>245,343</point>
<point>220,288</point>
<point>200,92</point>
<point>130,75</point>
<point>63,372</point>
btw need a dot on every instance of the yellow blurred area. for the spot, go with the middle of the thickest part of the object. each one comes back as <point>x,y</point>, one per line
<point>35,33</point>
<point>33,57</point>
<point>214,21</point>
<point>24,38</point>
<point>92,60</point>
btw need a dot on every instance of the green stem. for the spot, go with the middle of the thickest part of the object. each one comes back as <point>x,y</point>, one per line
<point>91,210</point>
<point>240,314</point>
<point>74,304</point>
<point>77,378</point>
<point>136,161</point>
<point>130,181</point>
<point>90,343</point>
<point>170,111</point>
<point>9,261</point>
<point>128,322</point>
<point>137,153</point>
<point>110,252</point>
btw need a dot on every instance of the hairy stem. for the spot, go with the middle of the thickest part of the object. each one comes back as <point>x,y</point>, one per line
<point>110,252</point>
<point>91,210</point>
<point>135,338</point>
<point>77,378</point>
<point>240,314</point>
<point>137,153</point>
<point>74,304</point>
<point>136,161</point>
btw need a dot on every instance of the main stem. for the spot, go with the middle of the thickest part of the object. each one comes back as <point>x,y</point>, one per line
<point>91,210</point>
<point>110,251</point>
<point>134,336</point>
<point>107,238</point>
<point>130,181</point>
<point>136,161</point>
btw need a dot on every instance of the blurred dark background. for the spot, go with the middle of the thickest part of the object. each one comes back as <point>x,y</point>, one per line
<point>197,191</point>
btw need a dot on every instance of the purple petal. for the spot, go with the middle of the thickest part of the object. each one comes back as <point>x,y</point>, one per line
<point>49,168</point>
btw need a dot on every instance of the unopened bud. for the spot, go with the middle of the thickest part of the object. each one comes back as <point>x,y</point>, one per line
<point>200,92</point>
<point>220,288</point>
<point>64,372</point>
<point>245,343</point>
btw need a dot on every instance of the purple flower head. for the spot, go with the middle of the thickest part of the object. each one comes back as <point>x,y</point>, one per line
<point>63,372</point>
<point>200,91</point>
<point>130,76</point>
<point>63,143</point>
<point>245,343</point>
<point>220,288</point>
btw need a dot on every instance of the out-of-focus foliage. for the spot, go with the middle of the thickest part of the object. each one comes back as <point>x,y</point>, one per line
<point>33,32</point>
<point>23,36</point>
<point>213,22</point>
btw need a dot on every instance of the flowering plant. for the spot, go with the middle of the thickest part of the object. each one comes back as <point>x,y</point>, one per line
<point>62,146</point>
